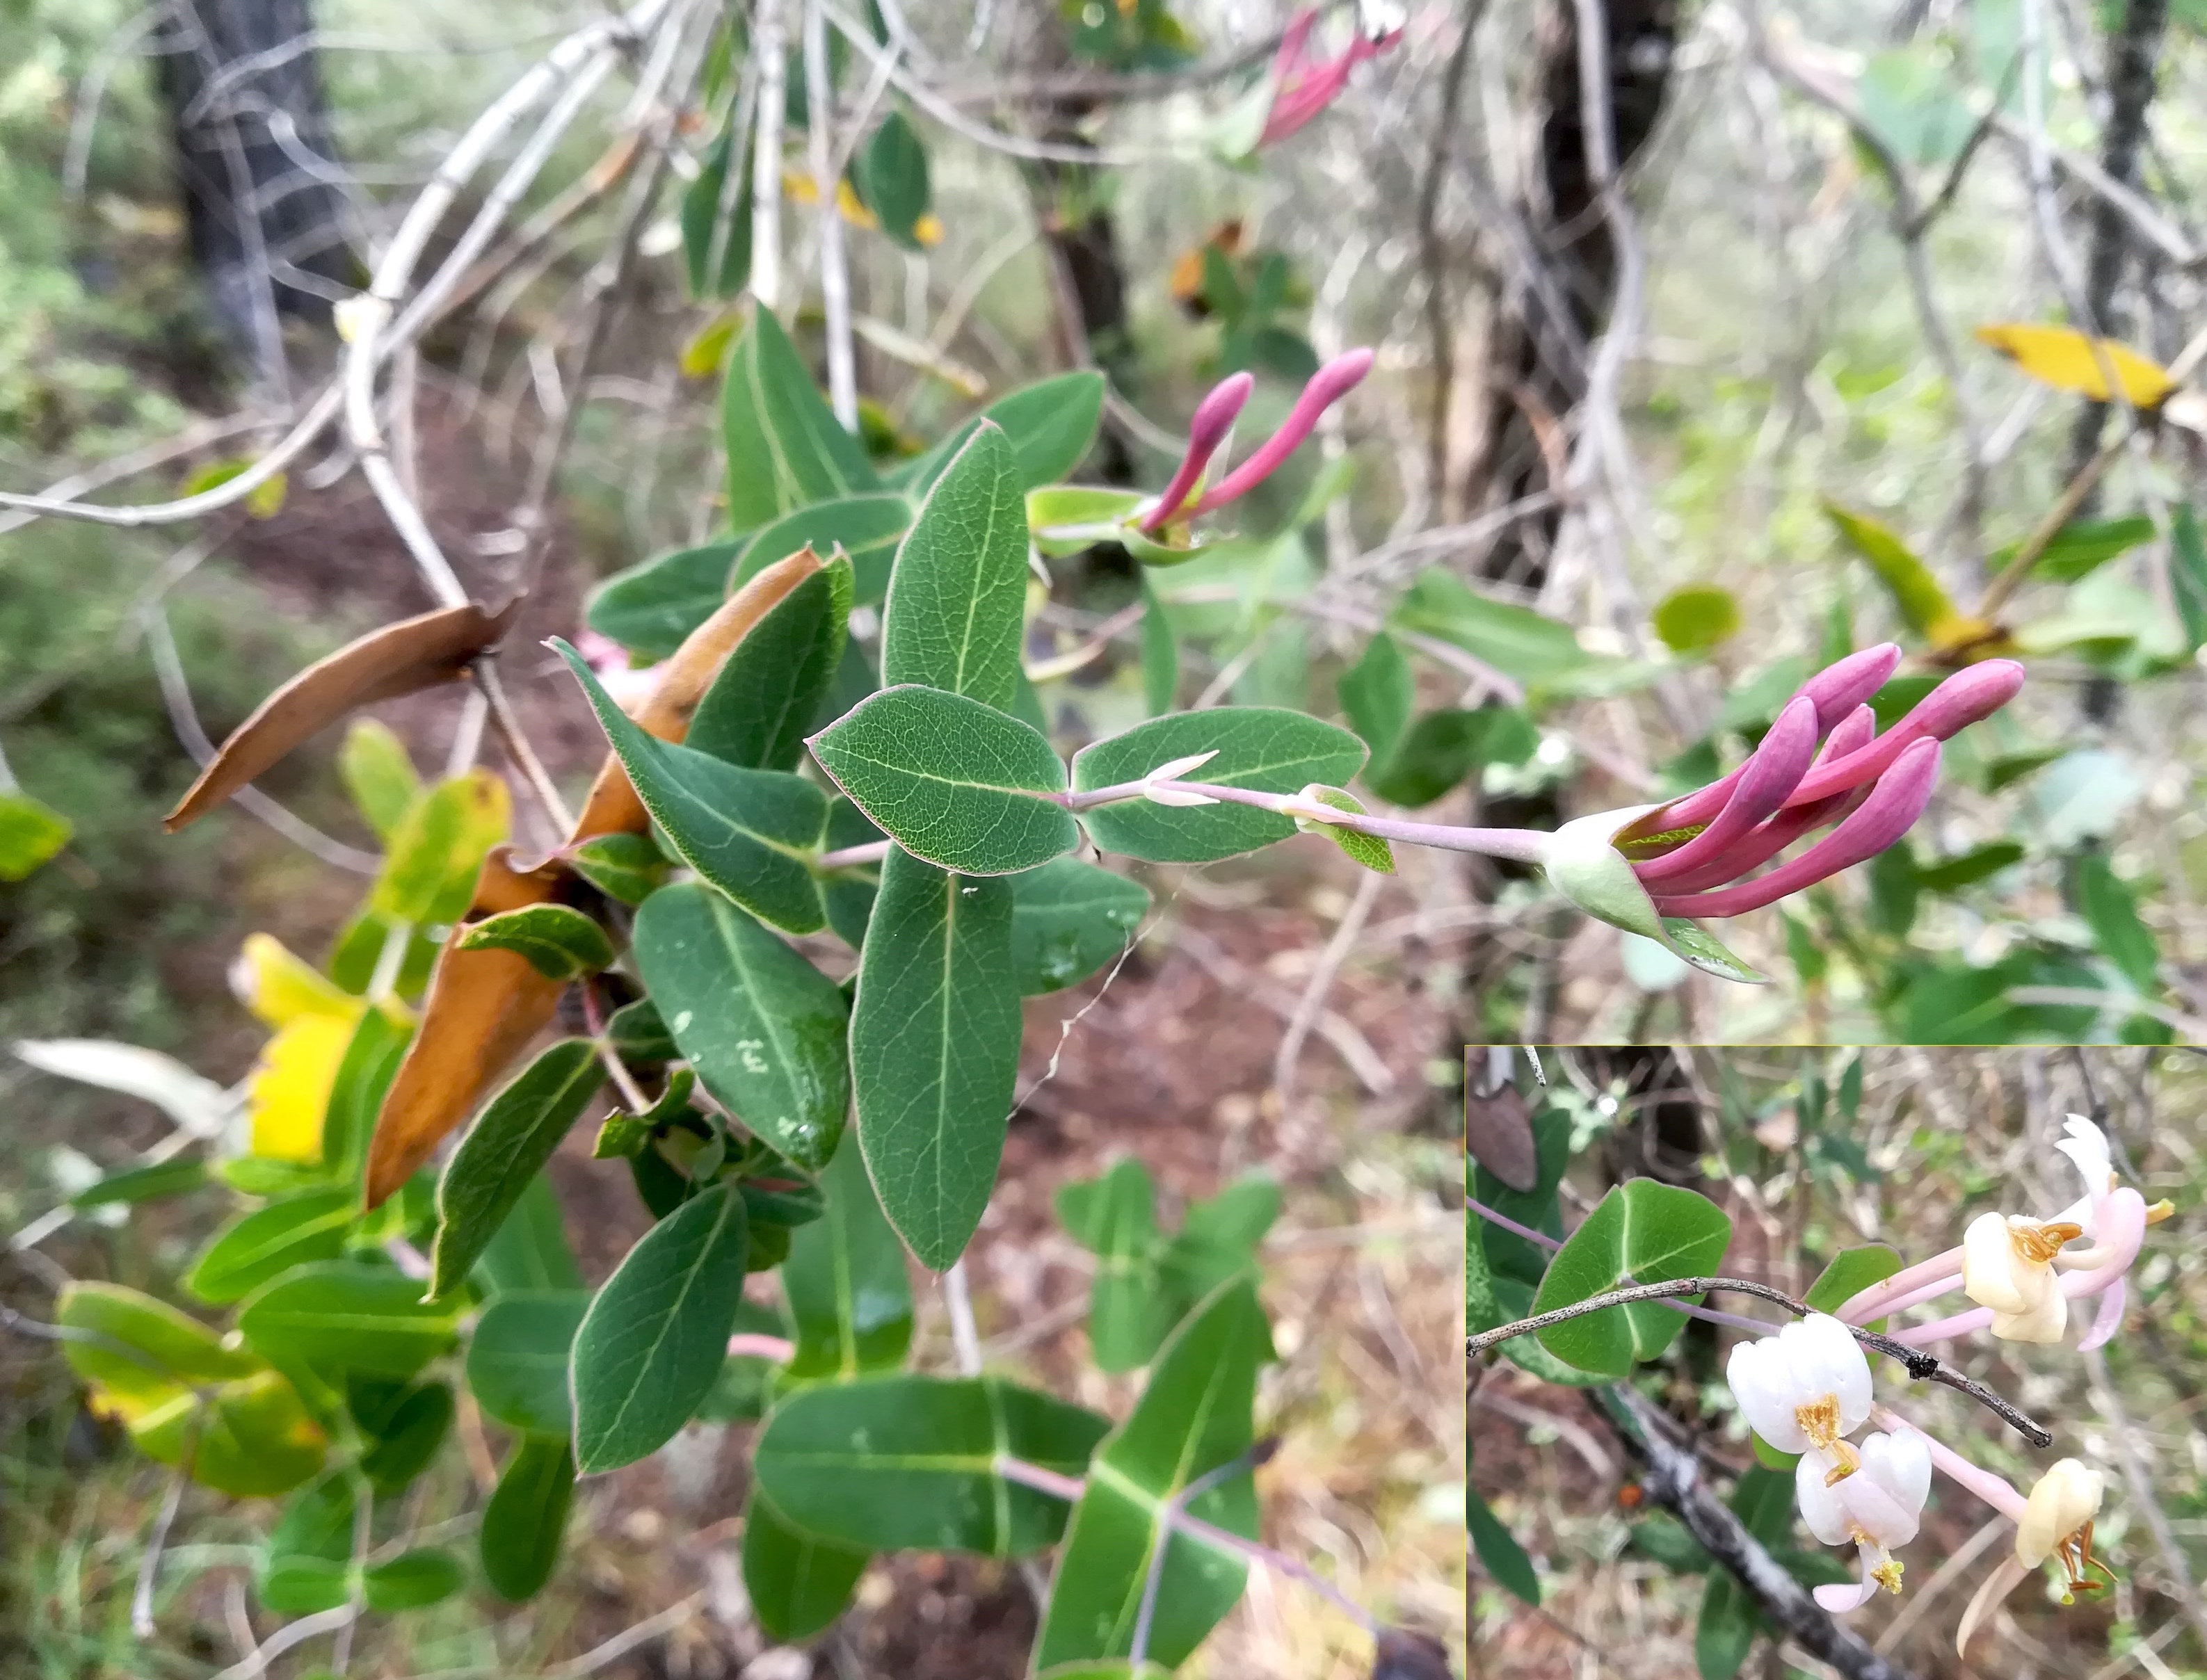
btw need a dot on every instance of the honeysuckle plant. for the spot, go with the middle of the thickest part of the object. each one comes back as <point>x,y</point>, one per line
<point>1825,1394</point>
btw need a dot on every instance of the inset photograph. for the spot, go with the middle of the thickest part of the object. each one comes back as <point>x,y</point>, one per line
<point>1877,1363</point>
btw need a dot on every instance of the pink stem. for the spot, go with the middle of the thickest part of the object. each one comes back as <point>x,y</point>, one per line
<point>775,1349</point>
<point>1327,386</point>
<point>1889,813</point>
<point>1994,1489</point>
<point>1876,1301</point>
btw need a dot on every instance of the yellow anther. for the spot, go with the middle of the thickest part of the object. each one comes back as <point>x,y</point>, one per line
<point>1887,1574</point>
<point>2041,1243</point>
<point>2164,1209</point>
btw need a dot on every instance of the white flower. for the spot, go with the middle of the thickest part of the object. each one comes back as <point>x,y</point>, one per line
<point>2086,1145</point>
<point>2057,1518</point>
<point>2007,1264</point>
<point>1878,1507</point>
<point>1805,1388</point>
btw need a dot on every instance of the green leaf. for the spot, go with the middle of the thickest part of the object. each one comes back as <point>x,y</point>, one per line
<point>531,1249</point>
<point>798,1584</point>
<point>1258,747</point>
<point>769,690</point>
<point>1852,1271</point>
<point>1377,695</point>
<point>1697,616</point>
<point>1924,603</point>
<point>1160,654</point>
<point>1443,747</point>
<point>1193,1417</point>
<point>651,608</point>
<point>1908,101</point>
<point>1068,518</point>
<point>2110,909</point>
<point>526,1518</point>
<point>506,1147</point>
<point>252,1438</point>
<point>850,890</point>
<point>412,1581</point>
<point>1499,1554</point>
<point>2187,575</point>
<point>374,765</point>
<point>364,1074</point>
<point>306,1564</point>
<point>752,833</point>
<point>1068,919</point>
<point>935,1051</point>
<point>626,868</point>
<point>2079,548</point>
<point>1978,863</point>
<point>1218,1238</point>
<point>132,1345</point>
<point>1051,425</point>
<point>1643,1232</point>
<point>958,592</point>
<point>909,1463</point>
<point>845,1282</point>
<point>1763,1498</point>
<point>866,527</point>
<point>429,870</point>
<point>1114,1217</point>
<point>707,225</point>
<point>656,1335</point>
<point>31,832</point>
<point>408,1438</point>
<point>1367,851</point>
<point>255,1246</point>
<point>785,448</point>
<point>889,175</point>
<point>143,1184</point>
<point>517,1359</point>
<point>348,1316</point>
<point>953,781</point>
<point>1516,641</point>
<point>763,1027</point>
<point>560,943</point>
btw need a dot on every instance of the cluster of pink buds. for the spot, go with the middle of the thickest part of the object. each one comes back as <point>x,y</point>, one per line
<point>1303,86</point>
<point>1822,763</point>
<point>1213,423</point>
<point>1808,1387</point>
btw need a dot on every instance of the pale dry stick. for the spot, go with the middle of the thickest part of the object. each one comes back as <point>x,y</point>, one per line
<point>394,271</point>
<point>2133,207</point>
<point>974,281</point>
<point>2193,1028</point>
<point>734,172</point>
<point>149,1565</point>
<point>2138,1479</point>
<point>266,1652</point>
<point>958,1300</point>
<point>91,93</point>
<point>2135,1657</point>
<point>767,46</point>
<point>980,134</point>
<point>1371,1068</point>
<point>834,266</point>
<point>177,695</point>
<point>610,1652</point>
<point>185,442</point>
<point>1323,975</point>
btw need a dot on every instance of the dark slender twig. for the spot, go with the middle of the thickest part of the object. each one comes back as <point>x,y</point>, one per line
<point>1674,1482</point>
<point>1921,1366</point>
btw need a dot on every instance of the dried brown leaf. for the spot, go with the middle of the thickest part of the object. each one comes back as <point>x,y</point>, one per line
<point>1499,1132</point>
<point>413,654</point>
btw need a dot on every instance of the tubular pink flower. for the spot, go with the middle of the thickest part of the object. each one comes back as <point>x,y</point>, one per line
<point>1882,1297</point>
<point>1960,701</point>
<point>1759,848</point>
<point>1326,387</point>
<point>1767,778</point>
<point>1891,810</point>
<point>1301,88</point>
<point>1837,691</point>
<point>1213,419</point>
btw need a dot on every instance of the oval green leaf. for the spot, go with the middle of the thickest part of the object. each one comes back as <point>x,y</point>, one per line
<point>560,943</point>
<point>518,1356</point>
<point>784,449</point>
<point>799,1583</point>
<point>527,1517</point>
<point>651,608</point>
<point>845,1282</point>
<point>348,1316</point>
<point>957,593</point>
<point>1069,918</point>
<point>769,691</point>
<point>249,1251</point>
<point>1643,1232</point>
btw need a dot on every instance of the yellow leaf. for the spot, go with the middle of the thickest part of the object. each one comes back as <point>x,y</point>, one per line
<point>2063,357</point>
<point>703,356</point>
<point>290,1087</point>
<point>280,988</point>
<point>798,189</point>
<point>265,499</point>
<point>928,230</point>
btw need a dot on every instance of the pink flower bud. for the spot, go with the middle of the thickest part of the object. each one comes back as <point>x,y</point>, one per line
<point>1764,843</point>
<point>1326,387</point>
<point>1895,803</point>
<point>1764,781</point>
<point>1213,419</point>
<point>1300,88</point>
<point>1960,701</point>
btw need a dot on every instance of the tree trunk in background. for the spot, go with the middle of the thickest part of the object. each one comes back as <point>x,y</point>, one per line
<point>1536,363</point>
<point>256,166</point>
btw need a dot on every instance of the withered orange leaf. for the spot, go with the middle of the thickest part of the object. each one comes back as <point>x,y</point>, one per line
<point>413,654</point>
<point>485,1006</point>
<point>483,1009</point>
<point>612,806</point>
